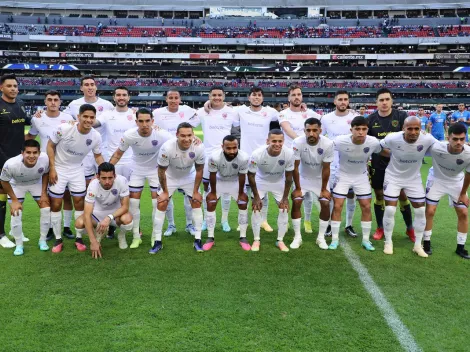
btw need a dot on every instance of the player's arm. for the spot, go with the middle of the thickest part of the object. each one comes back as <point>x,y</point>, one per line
<point>95,246</point>
<point>28,137</point>
<point>286,127</point>
<point>117,155</point>
<point>45,181</point>
<point>213,182</point>
<point>163,196</point>
<point>325,177</point>
<point>98,158</point>
<point>284,203</point>
<point>197,182</point>
<point>241,183</point>
<point>123,209</point>
<point>51,147</point>
<point>256,202</point>
<point>463,198</point>
<point>296,175</point>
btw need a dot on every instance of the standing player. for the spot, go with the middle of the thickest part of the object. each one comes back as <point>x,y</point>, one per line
<point>381,123</point>
<point>12,122</point>
<point>423,118</point>
<point>338,123</point>
<point>461,116</point>
<point>354,152</point>
<point>271,170</point>
<point>313,154</point>
<point>407,149</point>
<point>44,126</point>
<point>437,123</point>
<point>180,166</point>
<point>362,111</point>
<point>145,142</point>
<point>27,173</point>
<point>449,161</point>
<point>168,118</point>
<point>228,168</point>
<point>66,149</point>
<point>106,203</point>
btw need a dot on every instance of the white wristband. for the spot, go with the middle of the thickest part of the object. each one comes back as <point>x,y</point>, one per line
<point>111,217</point>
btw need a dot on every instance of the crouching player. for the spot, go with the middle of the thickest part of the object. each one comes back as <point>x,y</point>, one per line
<point>27,172</point>
<point>226,167</point>
<point>106,204</point>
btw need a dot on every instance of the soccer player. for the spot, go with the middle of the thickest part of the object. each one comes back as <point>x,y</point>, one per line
<point>145,142</point>
<point>313,154</point>
<point>12,122</point>
<point>27,173</point>
<point>67,148</point>
<point>407,149</point>
<point>461,116</point>
<point>423,118</point>
<point>227,168</point>
<point>437,123</point>
<point>106,203</point>
<point>362,111</point>
<point>180,166</point>
<point>381,123</point>
<point>354,151</point>
<point>44,126</point>
<point>449,161</point>
<point>271,170</point>
<point>216,124</point>
<point>338,123</point>
<point>168,118</point>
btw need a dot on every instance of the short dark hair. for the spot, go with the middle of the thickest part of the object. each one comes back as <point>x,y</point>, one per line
<point>86,107</point>
<point>312,121</point>
<point>52,92</point>
<point>84,78</point>
<point>120,87</point>
<point>106,167</point>
<point>256,90</point>
<point>359,121</point>
<point>229,138</point>
<point>342,91</point>
<point>184,125</point>
<point>362,106</point>
<point>32,143</point>
<point>420,107</point>
<point>236,102</point>
<point>8,76</point>
<point>172,90</point>
<point>275,131</point>
<point>217,88</point>
<point>143,111</point>
<point>293,87</point>
<point>457,128</point>
<point>383,91</point>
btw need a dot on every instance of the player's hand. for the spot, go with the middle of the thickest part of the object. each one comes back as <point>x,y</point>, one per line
<point>303,107</point>
<point>44,200</point>
<point>16,208</point>
<point>256,203</point>
<point>284,204</point>
<point>463,199</point>
<point>163,197</point>
<point>242,198</point>
<point>197,197</point>
<point>207,106</point>
<point>53,178</point>
<point>197,140</point>
<point>296,193</point>
<point>95,248</point>
<point>103,226</point>
<point>38,113</point>
<point>325,194</point>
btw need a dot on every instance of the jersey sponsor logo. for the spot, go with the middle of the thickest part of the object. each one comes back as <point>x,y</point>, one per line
<point>366,150</point>
<point>419,148</point>
<point>281,162</point>
<point>130,117</point>
<point>88,142</point>
<point>320,151</point>
<point>40,170</point>
<point>192,155</point>
<point>18,121</point>
<point>459,161</point>
<point>394,123</point>
<point>235,166</point>
<point>114,192</point>
<point>154,142</point>
<point>4,112</point>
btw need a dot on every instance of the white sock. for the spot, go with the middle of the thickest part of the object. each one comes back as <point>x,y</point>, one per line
<point>366,226</point>
<point>389,222</point>
<point>44,222</point>
<point>134,209</point>
<point>308,205</point>
<point>296,226</point>
<point>169,212</point>
<point>158,221</point>
<point>79,234</point>
<point>243,221</point>
<point>256,224</point>
<point>264,209</point>
<point>282,220</point>
<point>323,225</point>
<point>461,238</point>
<point>197,222</point>
<point>316,202</point>
<point>332,205</point>
<point>210,222</point>
<point>335,230</point>
<point>154,208</point>
<point>419,224</point>
<point>427,235</point>
<point>350,208</point>
<point>127,227</point>
<point>226,200</point>
<point>188,211</point>
<point>17,228</point>
<point>67,218</point>
<point>56,222</point>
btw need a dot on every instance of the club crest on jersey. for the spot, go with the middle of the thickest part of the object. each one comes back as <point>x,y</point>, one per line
<point>224,115</point>
<point>395,123</point>
<point>281,162</point>
<point>304,115</point>
<point>419,148</point>
<point>253,163</point>
<point>41,169</point>
<point>90,194</point>
<point>59,133</point>
<point>130,117</point>
<point>459,161</point>
<point>100,108</point>
<point>235,166</point>
<point>88,142</point>
<point>264,114</point>
<point>366,150</point>
<point>114,191</point>
<point>320,151</point>
<point>154,142</point>
<point>181,114</point>
<point>192,155</point>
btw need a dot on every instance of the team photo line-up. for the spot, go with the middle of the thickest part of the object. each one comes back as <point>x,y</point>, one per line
<point>95,158</point>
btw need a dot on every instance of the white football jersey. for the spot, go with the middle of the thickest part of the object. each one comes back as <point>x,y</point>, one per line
<point>353,158</point>
<point>100,105</point>
<point>296,121</point>
<point>107,200</point>
<point>271,169</point>
<point>180,163</point>
<point>254,126</point>
<point>449,167</point>
<point>312,157</point>
<point>406,159</point>
<point>16,172</point>
<point>216,125</point>
<point>227,171</point>
<point>45,126</point>
<point>115,123</point>
<point>145,149</point>
<point>72,146</point>
<point>170,120</point>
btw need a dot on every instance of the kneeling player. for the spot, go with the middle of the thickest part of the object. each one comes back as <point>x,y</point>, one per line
<point>27,172</point>
<point>354,152</point>
<point>106,204</point>
<point>449,160</point>
<point>313,154</point>
<point>226,167</point>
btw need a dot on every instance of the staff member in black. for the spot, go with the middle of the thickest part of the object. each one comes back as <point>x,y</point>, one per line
<point>12,121</point>
<point>382,122</point>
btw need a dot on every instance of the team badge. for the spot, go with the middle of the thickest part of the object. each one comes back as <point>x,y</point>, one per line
<point>253,163</point>
<point>264,114</point>
<point>281,162</point>
<point>235,166</point>
<point>395,123</point>
<point>164,156</point>
<point>459,161</point>
<point>295,149</point>
<point>88,142</point>
<point>100,108</point>
<point>304,115</point>
<point>114,192</point>
<point>224,115</point>
<point>366,150</point>
<point>59,133</point>
<point>320,151</point>
<point>90,194</point>
<point>419,148</point>
<point>130,117</point>
<point>154,142</point>
<point>41,170</point>
<point>192,155</point>
<point>181,114</point>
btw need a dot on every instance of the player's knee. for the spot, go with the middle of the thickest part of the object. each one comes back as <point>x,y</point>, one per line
<point>211,198</point>
<point>79,222</point>
<point>126,219</point>
<point>379,194</point>
<point>462,214</point>
<point>430,211</point>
